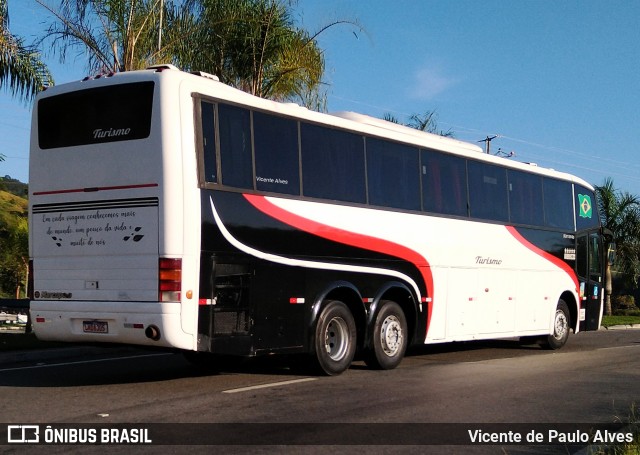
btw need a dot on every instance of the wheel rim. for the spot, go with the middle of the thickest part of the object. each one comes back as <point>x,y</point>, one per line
<point>561,325</point>
<point>336,339</point>
<point>391,335</point>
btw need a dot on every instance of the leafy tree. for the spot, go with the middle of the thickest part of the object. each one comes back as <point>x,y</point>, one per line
<point>14,258</point>
<point>255,45</point>
<point>20,65</point>
<point>14,249</point>
<point>427,122</point>
<point>120,35</point>
<point>620,213</point>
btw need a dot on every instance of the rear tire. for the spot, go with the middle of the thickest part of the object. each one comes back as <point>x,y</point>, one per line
<point>389,337</point>
<point>335,338</point>
<point>561,327</point>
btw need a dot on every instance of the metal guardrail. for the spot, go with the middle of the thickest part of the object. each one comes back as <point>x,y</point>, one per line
<point>20,305</point>
<point>10,308</point>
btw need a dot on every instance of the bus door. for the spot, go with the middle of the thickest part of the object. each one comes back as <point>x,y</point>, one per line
<point>590,274</point>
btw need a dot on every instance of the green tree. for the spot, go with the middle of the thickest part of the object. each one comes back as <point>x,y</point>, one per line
<point>120,35</point>
<point>20,65</point>
<point>427,122</point>
<point>14,254</point>
<point>254,45</point>
<point>14,258</point>
<point>620,213</point>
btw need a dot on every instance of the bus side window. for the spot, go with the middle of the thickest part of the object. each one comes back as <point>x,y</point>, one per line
<point>558,204</point>
<point>595,257</point>
<point>582,258</point>
<point>525,198</point>
<point>488,191</point>
<point>235,146</point>
<point>392,175</point>
<point>444,183</point>
<point>332,164</point>
<point>276,148</point>
<point>209,142</point>
<point>586,209</point>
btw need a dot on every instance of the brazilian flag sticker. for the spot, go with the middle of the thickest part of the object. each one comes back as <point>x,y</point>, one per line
<point>586,210</point>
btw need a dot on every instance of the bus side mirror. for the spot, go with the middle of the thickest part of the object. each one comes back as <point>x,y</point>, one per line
<point>611,253</point>
<point>611,245</point>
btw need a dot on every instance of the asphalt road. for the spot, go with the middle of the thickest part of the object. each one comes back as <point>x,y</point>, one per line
<point>439,393</point>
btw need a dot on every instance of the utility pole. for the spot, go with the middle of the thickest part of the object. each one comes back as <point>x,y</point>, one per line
<point>487,143</point>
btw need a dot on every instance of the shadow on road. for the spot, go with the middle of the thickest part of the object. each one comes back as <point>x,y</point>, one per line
<point>99,365</point>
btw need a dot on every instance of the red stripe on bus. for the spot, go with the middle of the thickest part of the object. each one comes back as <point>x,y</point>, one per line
<point>94,189</point>
<point>549,257</point>
<point>349,238</point>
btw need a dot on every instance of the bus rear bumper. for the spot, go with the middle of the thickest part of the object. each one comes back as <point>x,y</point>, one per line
<point>139,323</point>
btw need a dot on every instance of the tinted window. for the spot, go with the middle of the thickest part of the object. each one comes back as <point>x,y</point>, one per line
<point>558,204</point>
<point>525,198</point>
<point>595,258</point>
<point>581,263</point>
<point>586,209</point>
<point>235,146</point>
<point>276,148</point>
<point>332,164</point>
<point>209,142</point>
<point>488,191</point>
<point>444,183</point>
<point>392,175</point>
<point>92,116</point>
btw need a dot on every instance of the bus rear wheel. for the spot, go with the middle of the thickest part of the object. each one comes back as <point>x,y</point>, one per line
<point>561,327</point>
<point>389,337</point>
<point>335,338</point>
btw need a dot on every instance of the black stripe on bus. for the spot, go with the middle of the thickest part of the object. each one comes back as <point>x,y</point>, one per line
<point>95,205</point>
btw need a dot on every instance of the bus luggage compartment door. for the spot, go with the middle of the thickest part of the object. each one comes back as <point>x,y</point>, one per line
<point>224,323</point>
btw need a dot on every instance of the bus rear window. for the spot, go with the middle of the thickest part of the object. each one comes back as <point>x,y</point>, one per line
<point>93,116</point>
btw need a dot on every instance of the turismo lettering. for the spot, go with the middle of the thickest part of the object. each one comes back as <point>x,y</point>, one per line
<point>111,132</point>
<point>488,261</point>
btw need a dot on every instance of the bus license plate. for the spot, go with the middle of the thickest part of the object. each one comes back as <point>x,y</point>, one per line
<point>95,327</point>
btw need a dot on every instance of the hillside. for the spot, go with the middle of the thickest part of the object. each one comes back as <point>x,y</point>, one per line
<point>13,244</point>
<point>12,209</point>
<point>14,186</point>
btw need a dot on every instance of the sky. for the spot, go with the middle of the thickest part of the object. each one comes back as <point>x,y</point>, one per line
<point>557,80</point>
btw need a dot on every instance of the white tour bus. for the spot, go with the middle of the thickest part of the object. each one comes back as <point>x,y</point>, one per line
<point>168,209</point>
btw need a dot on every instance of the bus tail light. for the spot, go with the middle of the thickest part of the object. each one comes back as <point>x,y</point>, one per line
<point>169,280</point>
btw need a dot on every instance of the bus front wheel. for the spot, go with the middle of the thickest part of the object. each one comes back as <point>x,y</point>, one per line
<point>335,338</point>
<point>389,337</point>
<point>561,327</point>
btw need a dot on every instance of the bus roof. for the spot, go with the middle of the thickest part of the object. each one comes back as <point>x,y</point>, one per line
<point>209,85</point>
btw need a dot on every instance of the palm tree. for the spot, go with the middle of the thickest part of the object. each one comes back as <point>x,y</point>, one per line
<point>428,122</point>
<point>120,35</point>
<point>620,213</point>
<point>20,65</point>
<point>255,45</point>
<point>423,122</point>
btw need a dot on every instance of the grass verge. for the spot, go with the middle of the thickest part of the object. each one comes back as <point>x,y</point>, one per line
<point>608,321</point>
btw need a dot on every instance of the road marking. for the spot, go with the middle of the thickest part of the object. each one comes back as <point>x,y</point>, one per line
<point>272,384</point>
<point>41,365</point>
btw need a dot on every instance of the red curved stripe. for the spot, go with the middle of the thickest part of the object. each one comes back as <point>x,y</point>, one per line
<point>549,257</point>
<point>348,238</point>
